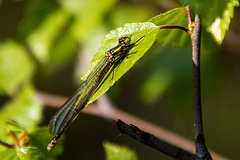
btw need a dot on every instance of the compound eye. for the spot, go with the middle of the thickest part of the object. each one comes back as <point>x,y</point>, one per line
<point>127,40</point>
<point>124,40</point>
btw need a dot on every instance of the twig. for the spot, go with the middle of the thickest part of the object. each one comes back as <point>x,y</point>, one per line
<point>5,144</point>
<point>201,149</point>
<point>174,27</point>
<point>105,109</point>
<point>154,142</point>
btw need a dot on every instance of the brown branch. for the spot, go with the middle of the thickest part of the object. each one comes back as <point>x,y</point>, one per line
<point>106,110</point>
<point>152,141</point>
<point>5,144</point>
<point>201,149</point>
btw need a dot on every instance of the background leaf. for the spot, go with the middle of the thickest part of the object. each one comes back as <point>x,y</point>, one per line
<point>116,152</point>
<point>39,139</point>
<point>16,67</point>
<point>42,39</point>
<point>25,110</point>
<point>215,15</point>
<point>220,25</point>
<point>29,153</point>
<point>86,15</point>
<point>9,154</point>
<point>155,85</point>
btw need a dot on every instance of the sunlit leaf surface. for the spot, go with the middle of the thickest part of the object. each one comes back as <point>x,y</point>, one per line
<point>133,30</point>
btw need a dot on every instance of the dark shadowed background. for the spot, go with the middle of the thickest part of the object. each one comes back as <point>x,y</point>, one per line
<point>61,37</point>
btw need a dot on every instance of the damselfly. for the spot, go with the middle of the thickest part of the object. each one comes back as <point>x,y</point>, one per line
<point>70,109</point>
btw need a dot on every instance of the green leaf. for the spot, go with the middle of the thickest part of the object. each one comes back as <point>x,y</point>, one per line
<point>16,68</point>
<point>36,150</point>
<point>220,25</point>
<point>174,37</point>
<point>9,154</point>
<point>40,138</point>
<point>35,12</point>
<point>24,109</point>
<point>216,15</point>
<point>116,152</point>
<point>42,39</point>
<point>29,153</point>
<point>155,85</point>
<point>135,31</point>
<point>87,15</point>
<point>62,53</point>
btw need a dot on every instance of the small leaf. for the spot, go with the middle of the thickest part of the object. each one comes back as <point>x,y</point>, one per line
<point>25,110</point>
<point>39,139</point>
<point>133,30</point>
<point>215,15</point>
<point>116,152</point>
<point>220,25</point>
<point>16,68</point>
<point>174,37</point>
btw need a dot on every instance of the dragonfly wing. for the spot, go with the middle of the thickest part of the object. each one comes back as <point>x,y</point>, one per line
<point>61,118</point>
<point>69,110</point>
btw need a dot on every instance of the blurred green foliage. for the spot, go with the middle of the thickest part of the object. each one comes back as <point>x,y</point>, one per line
<point>50,36</point>
<point>116,152</point>
<point>16,67</point>
<point>24,113</point>
<point>24,109</point>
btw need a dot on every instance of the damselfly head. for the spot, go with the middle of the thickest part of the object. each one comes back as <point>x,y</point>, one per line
<point>124,40</point>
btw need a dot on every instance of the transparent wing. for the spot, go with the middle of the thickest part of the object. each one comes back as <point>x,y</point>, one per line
<point>70,109</point>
